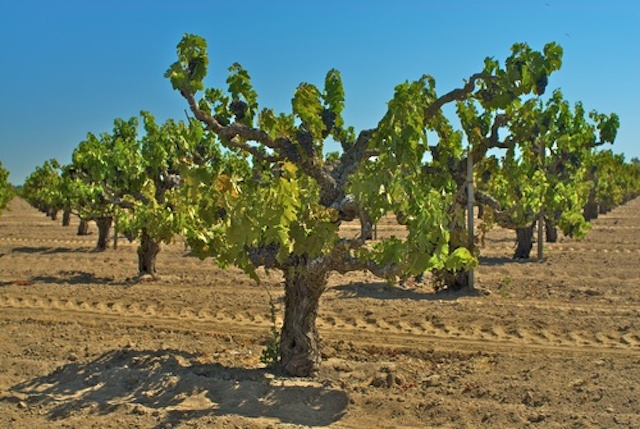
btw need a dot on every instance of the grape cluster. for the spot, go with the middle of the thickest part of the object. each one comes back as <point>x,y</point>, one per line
<point>329,120</point>
<point>305,139</point>
<point>222,213</point>
<point>486,176</point>
<point>541,84</point>
<point>486,96</point>
<point>290,152</point>
<point>238,108</point>
<point>191,69</point>
<point>200,154</point>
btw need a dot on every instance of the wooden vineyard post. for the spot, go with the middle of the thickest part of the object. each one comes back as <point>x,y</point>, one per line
<point>470,216</point>
<point>541,215</point>
<point>115,232</point>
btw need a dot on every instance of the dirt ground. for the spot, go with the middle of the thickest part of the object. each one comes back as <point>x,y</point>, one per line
<point>83,344</point>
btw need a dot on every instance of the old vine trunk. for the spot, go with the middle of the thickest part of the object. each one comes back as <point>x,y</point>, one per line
<point>452,280</point>
<point>83,227</point>
<point>104,226</point>
<point>300,341</point>
<point>551,232</point>
<point>591,208</point>
<point>66,218</point>
<point>52,213</point>
<point>147,254</point>
<point>456,279</point>
<point>524,242</point>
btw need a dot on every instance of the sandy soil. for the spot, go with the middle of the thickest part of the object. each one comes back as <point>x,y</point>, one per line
<point>553,344</point>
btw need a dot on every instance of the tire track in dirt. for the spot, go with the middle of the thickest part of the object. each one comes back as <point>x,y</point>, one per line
<point>398,333</point>
<point>83,243</point>
<point>587,308</point>
<point>78,242</point>
<point>494,334</point>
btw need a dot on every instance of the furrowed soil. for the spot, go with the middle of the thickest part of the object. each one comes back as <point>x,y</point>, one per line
<point>86,344</point>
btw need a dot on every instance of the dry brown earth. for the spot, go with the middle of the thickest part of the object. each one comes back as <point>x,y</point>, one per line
<point>555,344</point>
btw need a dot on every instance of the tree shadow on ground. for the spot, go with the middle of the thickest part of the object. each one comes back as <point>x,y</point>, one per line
<point>385,291</point>
<point>47,250</point>
<point>72,278</point>
<point>493,261</point>
<point>68,278</point>
<point>176,386</point>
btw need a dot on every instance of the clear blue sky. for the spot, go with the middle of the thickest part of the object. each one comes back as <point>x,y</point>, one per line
<point>68,67</point>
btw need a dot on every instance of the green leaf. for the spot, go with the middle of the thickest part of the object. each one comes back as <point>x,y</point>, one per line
<point>241,89</point>
<point>190,70</point>
<point>308,107</point>
<point>460,260</point>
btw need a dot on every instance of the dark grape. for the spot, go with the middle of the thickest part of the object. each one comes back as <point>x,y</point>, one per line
<point>238,108</point>
<point>193,63</point>
<point>486,96</point>
<point>541,84</point>
<point>305,139</point>
<point>291,153</point>
<point>329,120</point>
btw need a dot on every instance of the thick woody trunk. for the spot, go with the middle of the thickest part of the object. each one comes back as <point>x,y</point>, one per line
<point>551,232</point>
<point>300,341</point>
<point>452,280</point>
<point>455,280</point>
<point>605,208</point>
<point>52,213</point>
<point>147,255</point>
<point>591,209</point>
<point>104,225</point>
<point>83,227</point>
<point>524,242</point>
<point>66,218</point>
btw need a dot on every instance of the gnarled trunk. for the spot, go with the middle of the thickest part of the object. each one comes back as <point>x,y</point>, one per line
<point>83,227</point>
<point>524,242</point>
<point>66,218</point>
<point>452,280</point>
<point>591,209</point>
<point>605,208</point>
<point>551,232</point>
<point>104,225</point>
<point>52,213</point>
<point>147,254</point>
<point>299,340</point>
<point>459,279</point>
